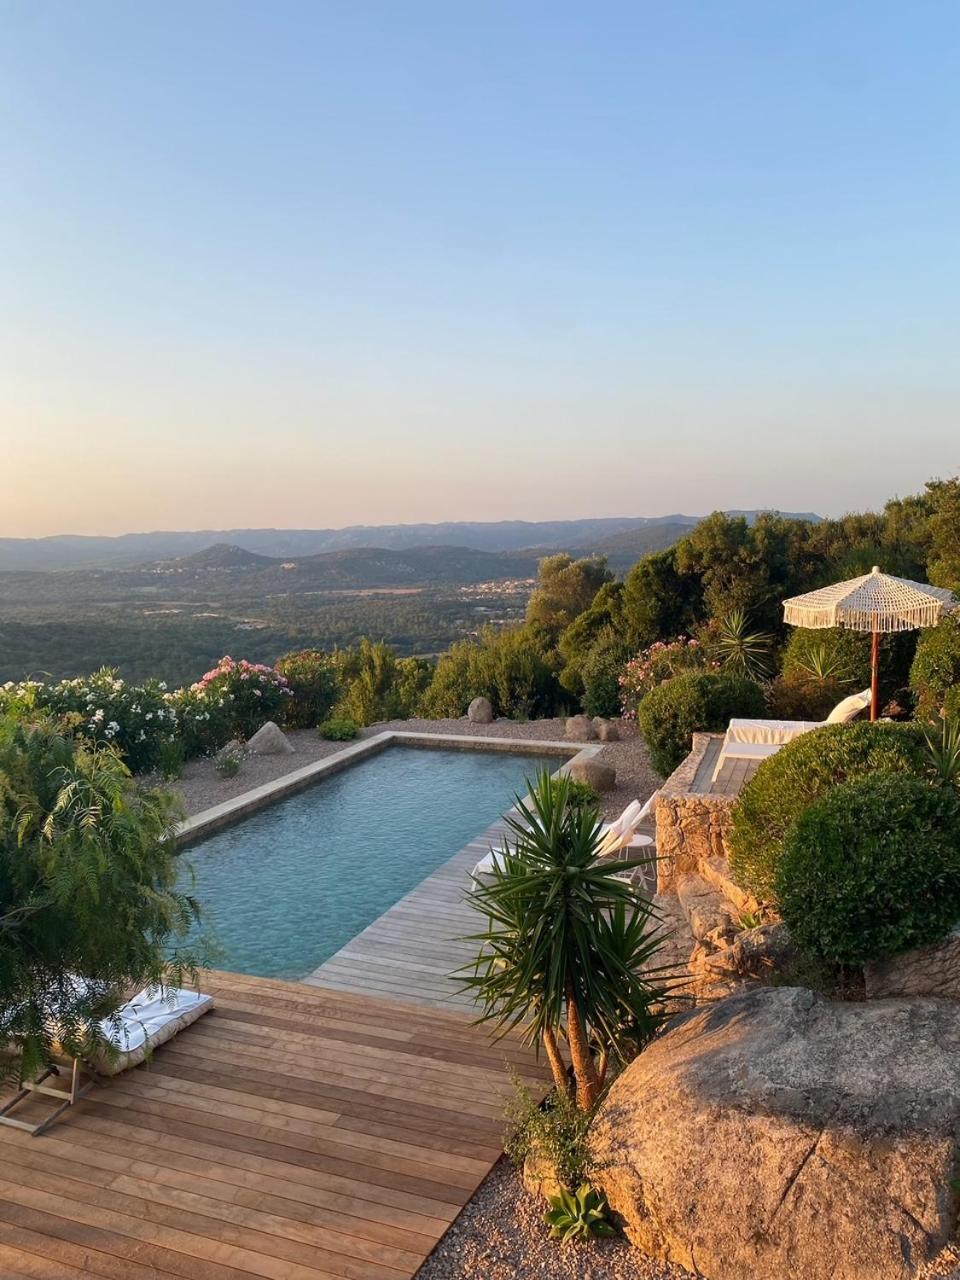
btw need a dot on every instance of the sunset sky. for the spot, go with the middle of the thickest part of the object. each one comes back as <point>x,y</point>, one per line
<point>311,264</point>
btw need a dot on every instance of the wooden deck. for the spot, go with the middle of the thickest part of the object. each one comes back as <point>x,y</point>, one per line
<point>292,1133</point>
<point>411,950</point>
<point>732,778</point>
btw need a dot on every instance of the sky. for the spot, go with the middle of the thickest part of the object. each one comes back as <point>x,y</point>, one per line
<point>273,263</point>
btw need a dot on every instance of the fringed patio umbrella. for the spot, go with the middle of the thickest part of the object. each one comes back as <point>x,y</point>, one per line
<point>876,603</point>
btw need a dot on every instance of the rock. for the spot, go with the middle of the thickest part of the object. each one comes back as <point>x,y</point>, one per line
<point>705,908</point>
<point>480,711</point>
<point>778,1134</point>
<point>270,740</point>
<point>602,777</point>
<point>926,971</point>
<point>580,729</point>
<point>607,731</point>
<point>764,951</point>
<point>540,1176</point>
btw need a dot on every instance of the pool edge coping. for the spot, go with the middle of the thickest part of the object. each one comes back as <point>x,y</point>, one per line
<point>228,812</point>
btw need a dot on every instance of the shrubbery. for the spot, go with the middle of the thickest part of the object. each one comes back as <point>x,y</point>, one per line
<point>368,679</point>
<point>257,693</point>
<point>936,667</point>
<point>802,697</point>
<point>136,719</point>
<point>314,686</point>
<point>204,719</point>
<point>872,868</point>
<point>672,712</point>
<point>88,871</point>
<point>601,672</point>
<point>655,665</point>
<point>790,781</point>
<point>339,729</point>
<point>508,667</point>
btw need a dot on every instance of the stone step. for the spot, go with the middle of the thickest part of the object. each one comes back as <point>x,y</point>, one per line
<point>716,871</point>
<point>706,909</point>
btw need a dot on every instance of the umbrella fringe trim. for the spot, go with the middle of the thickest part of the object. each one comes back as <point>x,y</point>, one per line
<point>863,619</point>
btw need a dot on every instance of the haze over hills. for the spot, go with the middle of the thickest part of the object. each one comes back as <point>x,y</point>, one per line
<point>624,533</point>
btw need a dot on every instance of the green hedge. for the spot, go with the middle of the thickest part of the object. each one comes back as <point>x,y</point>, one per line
<point>672,712</point>
<point>872,868</point>
<point>936,666</point>
<point>790,781</point>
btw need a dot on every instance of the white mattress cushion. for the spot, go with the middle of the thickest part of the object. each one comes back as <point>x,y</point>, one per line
<point>150,1019</point>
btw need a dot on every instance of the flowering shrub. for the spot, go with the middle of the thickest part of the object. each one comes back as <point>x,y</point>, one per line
<point>258,693</point>
<point>102,708</point>
<point>204,718</point>
<point>656,664</point>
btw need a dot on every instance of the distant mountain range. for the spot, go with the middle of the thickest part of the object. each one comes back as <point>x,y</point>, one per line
<point>620,537</point>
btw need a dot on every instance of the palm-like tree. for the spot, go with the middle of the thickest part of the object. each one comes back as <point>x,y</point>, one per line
<point>568,946</point>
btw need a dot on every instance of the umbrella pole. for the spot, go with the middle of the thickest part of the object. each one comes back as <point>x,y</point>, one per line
<point>875,676</point>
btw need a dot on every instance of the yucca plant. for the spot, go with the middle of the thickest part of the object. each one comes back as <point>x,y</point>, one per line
<point>568,945</point>
<point>741,650</point>
<point>943,750</point>
<point>819,665</point>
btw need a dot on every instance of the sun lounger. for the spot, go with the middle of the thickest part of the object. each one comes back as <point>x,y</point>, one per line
<point>148,1020</point>
<point>617,835</point>
<point>759,739</point>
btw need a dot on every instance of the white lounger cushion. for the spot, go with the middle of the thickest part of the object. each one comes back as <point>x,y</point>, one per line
<point>849,708</point>
<point>151,1018</point>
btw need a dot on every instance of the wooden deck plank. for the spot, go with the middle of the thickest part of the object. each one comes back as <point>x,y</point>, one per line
<point>294,1133</point>
<point>413,950</point>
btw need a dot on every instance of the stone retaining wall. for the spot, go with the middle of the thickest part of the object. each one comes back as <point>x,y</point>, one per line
<point>692,826</point>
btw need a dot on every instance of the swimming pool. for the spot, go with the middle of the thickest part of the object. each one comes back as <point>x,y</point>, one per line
<point>291,884</point>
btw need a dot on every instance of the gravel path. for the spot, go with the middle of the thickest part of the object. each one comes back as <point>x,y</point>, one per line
<point>201,786</point>
<point>501,1235</point>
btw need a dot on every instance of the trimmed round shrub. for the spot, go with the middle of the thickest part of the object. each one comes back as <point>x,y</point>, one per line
<point>314,685</point>
<point>672,712</point>
<point>936,667</point>
<point>787,783</point>
<point>872,868</point>
<point>339,729</point>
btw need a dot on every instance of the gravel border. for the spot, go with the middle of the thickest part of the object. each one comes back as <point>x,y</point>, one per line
<point>500,1235</point>
<point>201,787</point>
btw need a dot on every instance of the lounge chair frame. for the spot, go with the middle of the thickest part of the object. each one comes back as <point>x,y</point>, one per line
<point>68,1098</point>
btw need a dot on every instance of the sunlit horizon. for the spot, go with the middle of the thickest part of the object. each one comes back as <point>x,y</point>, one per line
<point>311,265</point>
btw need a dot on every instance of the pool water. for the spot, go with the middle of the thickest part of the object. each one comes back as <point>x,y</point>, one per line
<point>290,885</point>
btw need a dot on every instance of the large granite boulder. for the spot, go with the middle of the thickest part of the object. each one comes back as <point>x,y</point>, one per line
<point>602,777</point>
<point>480,711</point>
<point>778,1134</point>
<point>270,740</point>
<point>926,971</point>
<point>580,729</point>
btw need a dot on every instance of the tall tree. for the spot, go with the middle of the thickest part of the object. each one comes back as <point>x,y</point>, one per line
<point>565,588</point>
